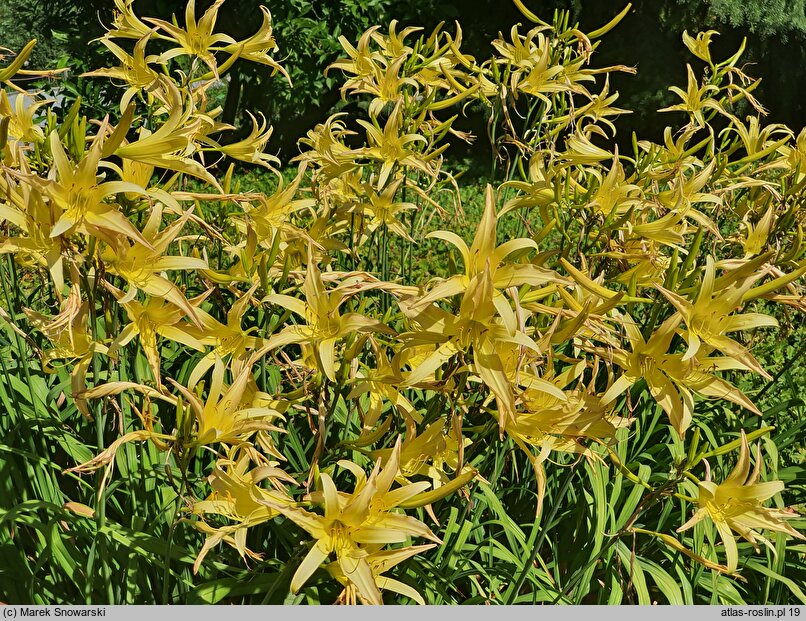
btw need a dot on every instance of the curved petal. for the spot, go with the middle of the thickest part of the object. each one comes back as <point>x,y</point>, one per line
<point>455,285</point>
<point>295,305</point>
<point>511,246</point>
<point>388,584</point>
<point>327,357</point>
<point>731,549</point>
<point>331,496</point>
<point>312,561</point>
<point>358,572</point>
<point>453,238</point>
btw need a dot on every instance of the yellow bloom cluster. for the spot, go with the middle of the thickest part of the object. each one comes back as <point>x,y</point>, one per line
<point>622,275</point>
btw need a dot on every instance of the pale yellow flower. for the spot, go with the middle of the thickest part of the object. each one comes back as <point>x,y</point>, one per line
<point>736,505</point>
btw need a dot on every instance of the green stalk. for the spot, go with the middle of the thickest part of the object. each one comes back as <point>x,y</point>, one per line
<point>513,592</point>
<point>53,490</point>
<point>100,421</point>
<point>20,348</point>
<point>385,266</point>
<point>166,576</point>
<point>403,244</point>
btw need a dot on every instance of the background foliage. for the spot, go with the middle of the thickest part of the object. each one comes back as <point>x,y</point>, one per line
<point>308,32</point>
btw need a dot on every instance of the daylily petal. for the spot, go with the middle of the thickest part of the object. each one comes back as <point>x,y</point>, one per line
<point>312,561</point>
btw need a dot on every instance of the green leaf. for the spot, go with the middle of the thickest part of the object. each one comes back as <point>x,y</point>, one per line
<point>667,585</point>
<point>789,583</point>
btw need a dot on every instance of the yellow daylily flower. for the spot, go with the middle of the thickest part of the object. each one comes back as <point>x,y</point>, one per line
<point>171,145</point>
<point>482,325</point>
<point>381,208</point>
<point>228,340</point>
<point>392,147</point>
<point>685,191</point>
<point>696,99</point>
<point>614,196</point>
<point>361,62</point>
<point>383,384</point>
<point>708,319</point>
<point>197,38</point>
<point>351,522</point>
<point>228,416</point>
<point>150,319</point>
<point>485,254</point>
<point>736,505</point>
<point>523,52</point>
<point>27,211</point>
<point>393,44</point>
<point>326,149</point>
<point>134,70</point>
<point>700,44</point>
<point>236,490</point>
<point>427,454</point>
<point>74,192</point>
<point>251,148</point>
<point>379,561</point>
<point>386,85</point>
<point>545,77</point>
<point>141,264</point>
<point>257,47</point>
<point>754,241</point>
<point>548,421</point>
<point>599,108</point>
<point>670,377</point>
<point>324,325</point>
<point>273,212</point>
<point>21,125</point>
<point>125,24</point>
<point>70,335</point>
